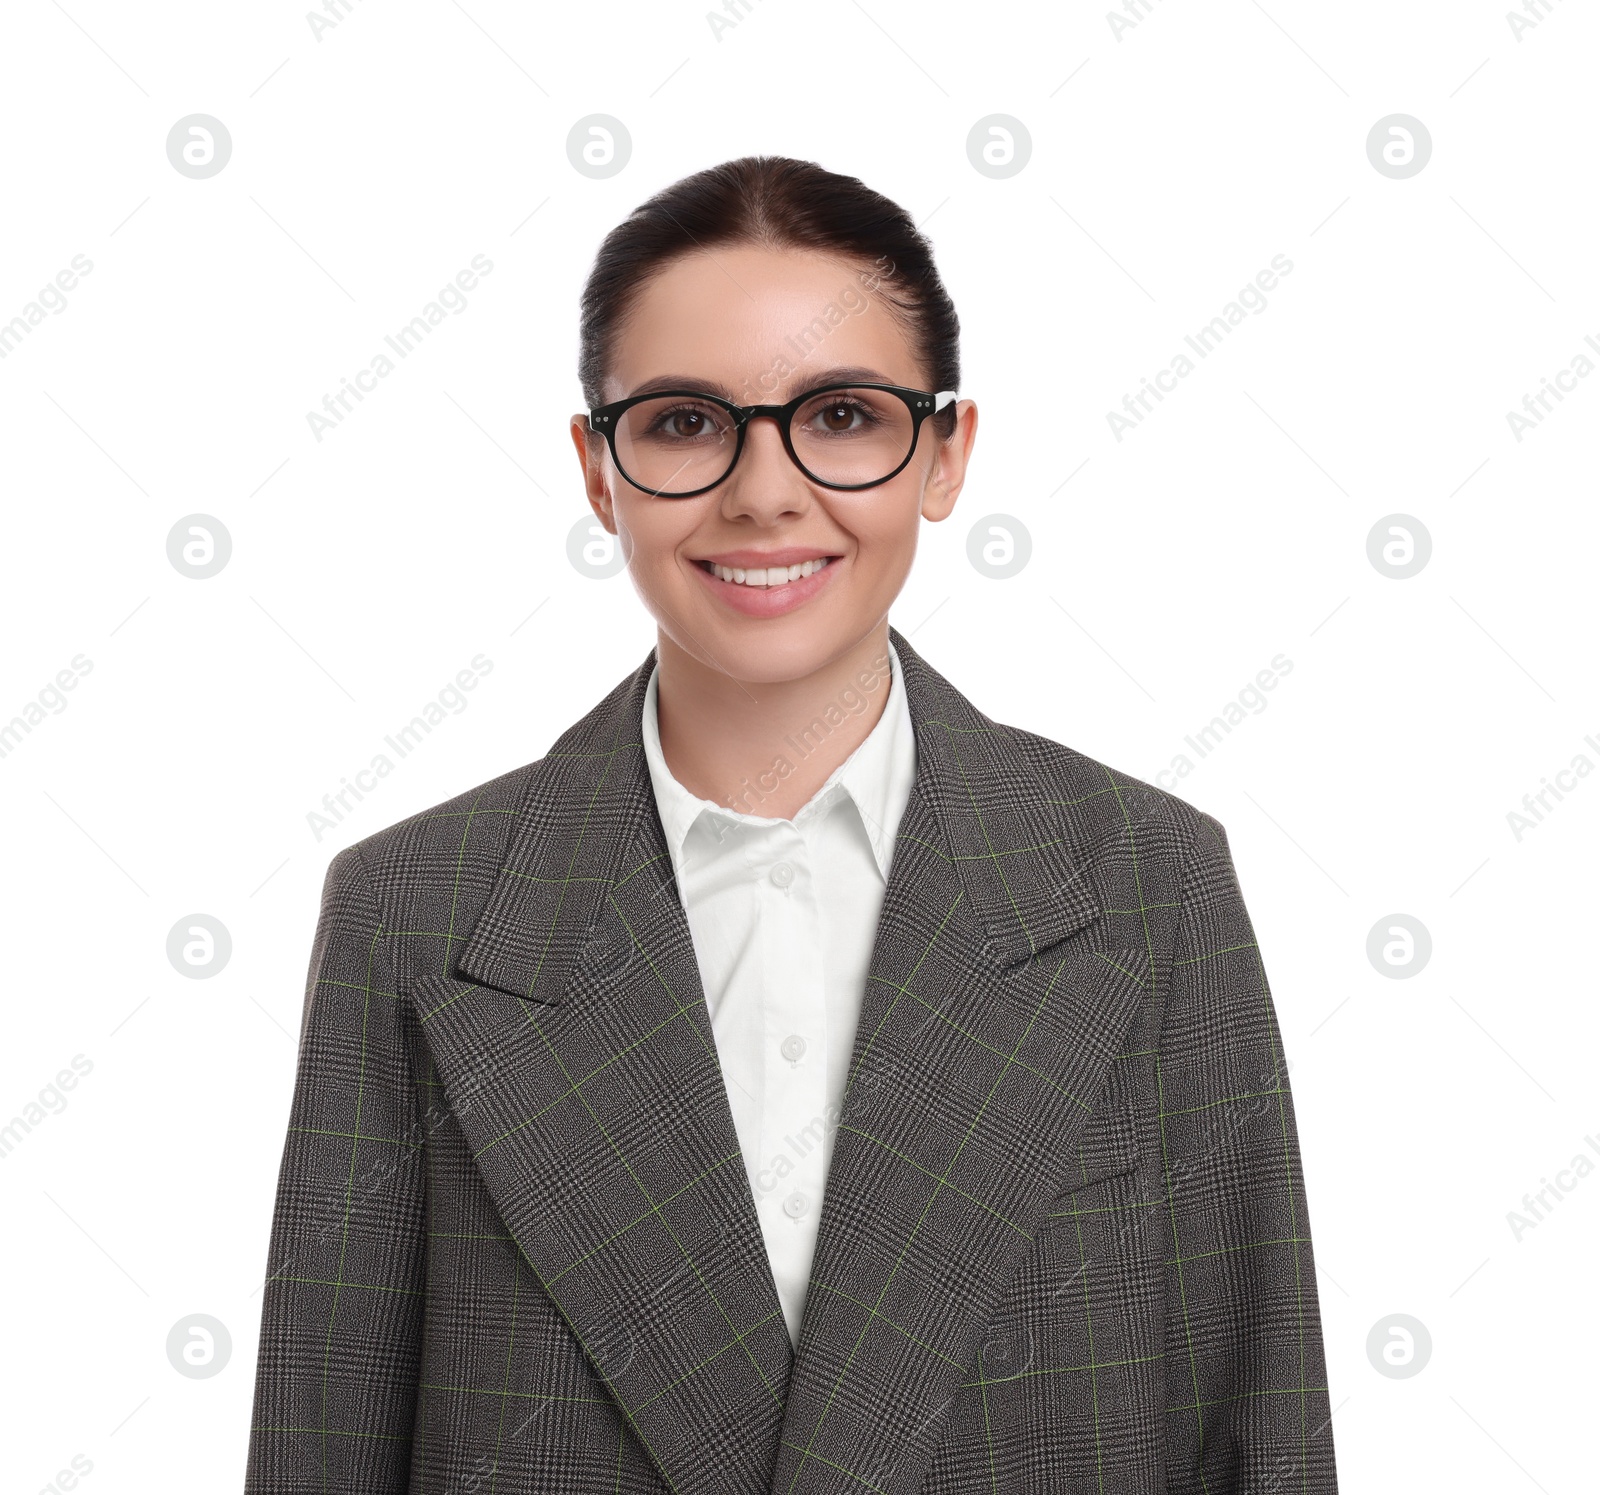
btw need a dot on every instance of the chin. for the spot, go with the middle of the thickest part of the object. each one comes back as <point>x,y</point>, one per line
<point>774,652</point>
<point>766,651</point>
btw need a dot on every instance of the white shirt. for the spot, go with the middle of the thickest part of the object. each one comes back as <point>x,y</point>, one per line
<point>783,914</point>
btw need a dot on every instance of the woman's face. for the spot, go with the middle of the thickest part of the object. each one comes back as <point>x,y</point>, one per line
<point>760,326</point>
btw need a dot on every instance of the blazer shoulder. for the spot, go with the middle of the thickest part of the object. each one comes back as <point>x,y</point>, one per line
<point>1145,849</point>
<point>426,878</point>
<point>1112,805</point>
<point>472,826</point>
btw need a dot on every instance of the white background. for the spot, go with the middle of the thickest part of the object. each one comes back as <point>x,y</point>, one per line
<point>1168,167</point>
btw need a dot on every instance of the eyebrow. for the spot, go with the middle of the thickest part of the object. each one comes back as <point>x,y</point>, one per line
<point>847,374</point>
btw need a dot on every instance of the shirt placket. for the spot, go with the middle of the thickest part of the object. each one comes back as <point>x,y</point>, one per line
<point>793,1156</point>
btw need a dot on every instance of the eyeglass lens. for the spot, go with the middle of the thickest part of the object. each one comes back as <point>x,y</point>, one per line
<point>678,444</point>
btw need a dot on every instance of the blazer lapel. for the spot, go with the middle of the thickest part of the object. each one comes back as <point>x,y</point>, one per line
<point>576,1051</point>
<point>985,1033</point>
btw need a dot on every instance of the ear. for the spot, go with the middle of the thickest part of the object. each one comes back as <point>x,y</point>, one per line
<point>946,471</point>
<point>592,459</point>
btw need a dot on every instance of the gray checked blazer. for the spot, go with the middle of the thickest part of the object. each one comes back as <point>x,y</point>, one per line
<point>1064,1245</point>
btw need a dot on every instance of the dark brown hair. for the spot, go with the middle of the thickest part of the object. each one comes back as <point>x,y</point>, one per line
<point>781,203</point>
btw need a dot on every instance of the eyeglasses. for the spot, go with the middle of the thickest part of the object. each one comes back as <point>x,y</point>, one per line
<point>676,443</point>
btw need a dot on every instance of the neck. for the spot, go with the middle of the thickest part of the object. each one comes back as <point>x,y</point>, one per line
<point>765,747</point>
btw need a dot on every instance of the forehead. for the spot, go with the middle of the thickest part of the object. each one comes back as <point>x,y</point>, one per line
<point>760,323</point>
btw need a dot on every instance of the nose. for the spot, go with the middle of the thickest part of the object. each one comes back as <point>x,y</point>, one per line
<point>764,478</point>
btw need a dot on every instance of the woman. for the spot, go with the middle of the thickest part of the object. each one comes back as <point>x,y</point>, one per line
<point>794,1080</point>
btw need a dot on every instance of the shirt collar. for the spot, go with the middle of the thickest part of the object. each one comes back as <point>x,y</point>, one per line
<point>876,778</point>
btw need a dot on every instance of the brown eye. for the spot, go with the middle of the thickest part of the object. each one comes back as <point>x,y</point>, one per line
<point>838,417</point>
<point>687,423</point>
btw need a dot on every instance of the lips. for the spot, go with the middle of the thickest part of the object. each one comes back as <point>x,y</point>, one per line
<point>768,600</point>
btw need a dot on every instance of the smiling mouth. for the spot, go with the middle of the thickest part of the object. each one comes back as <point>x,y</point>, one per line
<point>770,576</point>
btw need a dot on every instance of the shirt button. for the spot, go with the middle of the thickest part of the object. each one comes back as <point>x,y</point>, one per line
<point>782,874</point>
<point>793,1047</point>
<point>795,1206</point>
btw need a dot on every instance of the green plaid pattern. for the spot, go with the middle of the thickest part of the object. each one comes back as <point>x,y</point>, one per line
<point>1064,1244</point>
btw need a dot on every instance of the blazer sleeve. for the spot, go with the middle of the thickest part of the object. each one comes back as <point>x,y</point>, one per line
<point>337,1368</point>
<point>1247,1392</point>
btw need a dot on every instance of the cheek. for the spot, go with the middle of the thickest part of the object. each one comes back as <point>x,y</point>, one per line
<point>651,532</point>
<point>652,538</point>
<point>887,531</point>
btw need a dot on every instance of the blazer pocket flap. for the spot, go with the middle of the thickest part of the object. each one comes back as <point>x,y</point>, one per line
<point>1107,1147</point>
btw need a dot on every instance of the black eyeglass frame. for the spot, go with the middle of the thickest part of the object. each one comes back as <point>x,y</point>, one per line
<point>921,403</point>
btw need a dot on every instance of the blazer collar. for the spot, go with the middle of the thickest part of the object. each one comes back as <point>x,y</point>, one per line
<point>575,1049</point>
<point>1022,860</point>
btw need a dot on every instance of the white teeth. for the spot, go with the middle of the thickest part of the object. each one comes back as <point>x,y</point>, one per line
<point>771,576</point>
